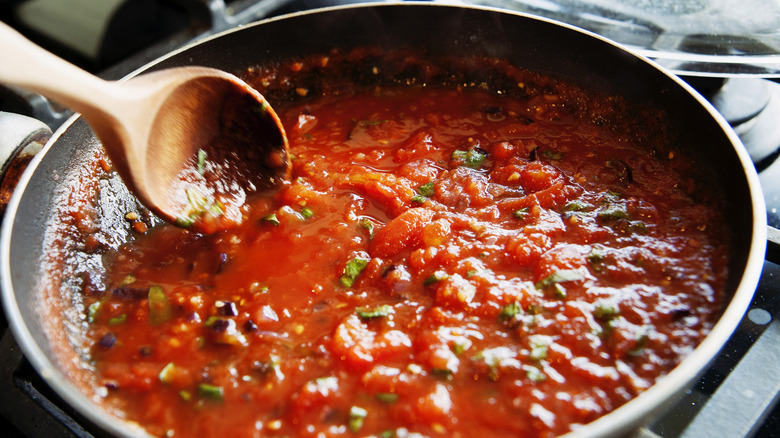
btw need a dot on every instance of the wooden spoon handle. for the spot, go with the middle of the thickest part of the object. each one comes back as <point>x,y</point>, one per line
<point>26,65</point>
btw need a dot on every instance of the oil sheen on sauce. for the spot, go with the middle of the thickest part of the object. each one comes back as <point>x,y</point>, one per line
<point>443,262</point>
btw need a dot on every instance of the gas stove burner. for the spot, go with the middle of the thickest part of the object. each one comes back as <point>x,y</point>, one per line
<point>752,107</point>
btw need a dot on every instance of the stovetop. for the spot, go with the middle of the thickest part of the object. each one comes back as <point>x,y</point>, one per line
<point>736,397</point>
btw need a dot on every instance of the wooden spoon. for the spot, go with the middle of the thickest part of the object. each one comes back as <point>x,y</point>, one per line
<point>191,142</point>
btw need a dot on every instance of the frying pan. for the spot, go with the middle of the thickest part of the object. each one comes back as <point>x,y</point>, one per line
<point>43,307</point>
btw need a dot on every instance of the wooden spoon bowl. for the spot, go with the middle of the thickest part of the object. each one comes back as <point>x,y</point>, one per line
<point>190,142</point>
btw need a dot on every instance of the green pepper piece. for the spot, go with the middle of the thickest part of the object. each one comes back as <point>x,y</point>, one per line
<point>121,319</point>
<point>272,219</point>
<point>521,213</point>
<point>160,309</point>
<point>93,310</point>
<point>201,162</point>
<point>387,397</point>
<point>377,312</point>
<point>356,417</point>
<point>351,271</point>
<point>436,277</point>
<point>561,276</point>
<point>211,392</point>
<point>606,310</point>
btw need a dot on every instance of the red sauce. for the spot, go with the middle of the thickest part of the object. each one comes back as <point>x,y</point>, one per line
<point>444,262</point>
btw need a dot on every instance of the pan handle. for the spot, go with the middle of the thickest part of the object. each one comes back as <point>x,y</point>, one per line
<point>21,137</point>
<point>17,134</point>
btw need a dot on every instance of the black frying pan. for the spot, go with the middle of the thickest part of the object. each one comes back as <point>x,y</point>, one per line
<point>43,307</point>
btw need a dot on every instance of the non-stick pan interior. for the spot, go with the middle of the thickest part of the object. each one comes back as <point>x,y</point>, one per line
<point>534,44</point>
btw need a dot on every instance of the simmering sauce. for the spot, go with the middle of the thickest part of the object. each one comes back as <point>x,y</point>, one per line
<point>443,262</point>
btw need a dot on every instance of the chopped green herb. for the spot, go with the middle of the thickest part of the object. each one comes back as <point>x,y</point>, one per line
<point>160,309</point>
<point>377,312</point>
<point>201,161</point>
<point>351,271</point>
<point>539,352</point>
<point>129,279</point>
<point>387,397</point>
<point>419,199</point>
<point>539,347</point>
<point>460,346</point>
<point>442,373</point>
<point>596,255</point>
<point>436,277</point>
<point>272,219</point>
<point>638,227</point>
<point>184,222</point>
<point>166,375</point>
<point>196,200</point>
<point>356,417</point>
<point>575,205</point>
<point>368,226</point>
<point>197,205</point>
<point>426,189</point>
<point>521,213</point>
<point>562,276</point>
<point>510,311</point>
<point>613,212</point>
<point>217,208</point>
<point>121,319</point>
<point>185,395</point>
<point>606,310</point>
<point>210,392</point>
<point>551,154</point>
<point>256,287</point>
<point>559,291</point>
<point>641,341</point>
<point>534,374</point>
<point>472,158</point>
<point>306,212</point>
<point>471,272</point>
<point>93,310</point>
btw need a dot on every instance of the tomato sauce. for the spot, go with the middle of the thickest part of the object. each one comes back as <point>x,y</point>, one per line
<point>443,262</point>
